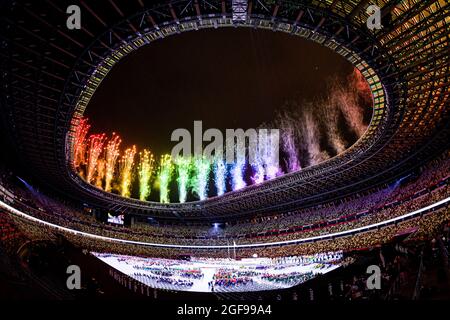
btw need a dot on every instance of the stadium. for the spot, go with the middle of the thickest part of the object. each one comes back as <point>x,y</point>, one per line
<point>351,170</point>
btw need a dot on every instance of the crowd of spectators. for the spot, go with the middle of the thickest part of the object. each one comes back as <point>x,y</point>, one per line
<point>430,186</point>
<point>11,237</point>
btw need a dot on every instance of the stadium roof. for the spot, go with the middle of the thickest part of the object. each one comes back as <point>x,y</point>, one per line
<point>48,74</point>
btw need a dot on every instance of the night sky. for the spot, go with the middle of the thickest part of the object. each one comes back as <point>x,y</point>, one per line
<point>228,78</point>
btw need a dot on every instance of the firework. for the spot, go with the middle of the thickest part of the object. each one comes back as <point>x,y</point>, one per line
<point>145,172</point>
<point>308,131</point>
<point>269,152</point>
<point>312,139</point>
<point>112,154</point>
<point>126,171</point>
<point>331,117</point>
<point>289,140</point>
<point>100,173</point>
<point>237,170</point>
<point>289,146</point>
<point>165,175</point>
<point>359,83</point>
<point>347,100</point>
<point>329,113</point>
<point>220,175</point>
<point>258,171</point>
<point>184,167</point>
<point>258,164</point>
<point>95,149</point>
<point>202,168</point>
<point>79,150</point>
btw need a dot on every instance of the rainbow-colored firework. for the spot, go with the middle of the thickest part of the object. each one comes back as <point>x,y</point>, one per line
<point>165,176</point>
<point>126,171</point>
<point>112,153</point>
<point>145,173</point>
<point>303,138</point>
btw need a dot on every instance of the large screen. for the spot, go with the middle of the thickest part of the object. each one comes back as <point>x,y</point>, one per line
<point>115,219</point>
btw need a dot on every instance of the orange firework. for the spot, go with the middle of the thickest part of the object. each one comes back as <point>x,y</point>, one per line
<point>95,149</point>
<point>100,173</point>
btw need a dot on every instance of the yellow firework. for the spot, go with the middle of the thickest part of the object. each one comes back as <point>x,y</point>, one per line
<point>145,172</point>
<point>165,175</point>
<point>126,170</point>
